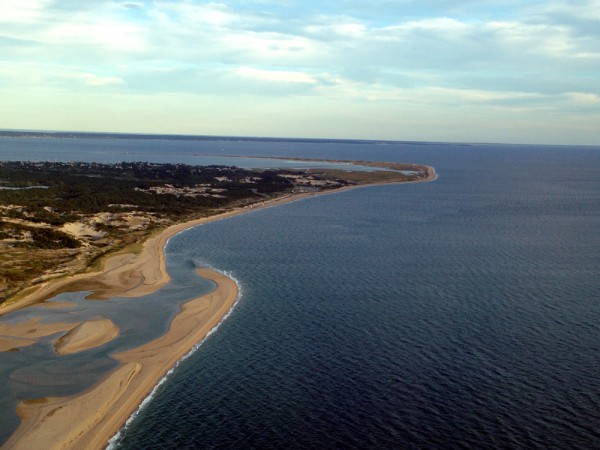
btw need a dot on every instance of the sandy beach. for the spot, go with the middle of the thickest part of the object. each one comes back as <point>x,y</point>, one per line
<point>90,419</point>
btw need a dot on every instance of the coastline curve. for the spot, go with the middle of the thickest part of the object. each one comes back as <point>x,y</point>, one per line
<point>89,420</point>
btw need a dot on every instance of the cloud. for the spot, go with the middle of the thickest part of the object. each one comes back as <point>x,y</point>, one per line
<point>22,11</point>
<point>584,98</point>
<point>35,75</point>
<point>278,76</point>
<point>505,55</point>
<point>269,47</point>
<point>132,5</point>
<point>561,10</point>
<point>199,14</point>
<point>116,35</point>
<point>91,79</point>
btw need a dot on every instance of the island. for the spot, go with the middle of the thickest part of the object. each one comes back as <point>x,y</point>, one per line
<point>102,228</point>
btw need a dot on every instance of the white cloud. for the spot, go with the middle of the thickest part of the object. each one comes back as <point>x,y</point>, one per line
<point>277,48</point>
<point>475,95</point>
<point>192,16</point>
<point>585,98</point>
<point>582,9</point>
<point>284,76</point>
<point>339,27</point>
<point>22,11</point>
<point>437,24</point>
<point>33,75</point>
<point>91,79</point>
<point>432,95</point>
<point>116,35</point>
<point>543,39</point>
<point>212,14</point>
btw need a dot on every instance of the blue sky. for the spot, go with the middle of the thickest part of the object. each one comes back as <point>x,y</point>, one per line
<point>477,71</point>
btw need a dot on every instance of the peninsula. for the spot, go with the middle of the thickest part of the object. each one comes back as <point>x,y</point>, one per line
<point>103,228</point>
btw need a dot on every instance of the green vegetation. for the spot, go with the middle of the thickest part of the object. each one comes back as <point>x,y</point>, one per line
<point>58,218</point>
<point>62,218</point>
<point>89,188</point>
<point>36,237</point>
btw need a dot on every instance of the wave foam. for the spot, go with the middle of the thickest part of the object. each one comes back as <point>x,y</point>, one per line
<point>114,441</point>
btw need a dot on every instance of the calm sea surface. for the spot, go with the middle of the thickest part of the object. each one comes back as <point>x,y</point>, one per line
<point>461,313</point>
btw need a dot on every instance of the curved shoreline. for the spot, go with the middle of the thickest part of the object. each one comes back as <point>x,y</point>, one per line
<point>88,420</point>
<point>130,275</point>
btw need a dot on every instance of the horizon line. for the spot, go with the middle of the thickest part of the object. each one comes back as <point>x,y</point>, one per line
<point>11,132</point>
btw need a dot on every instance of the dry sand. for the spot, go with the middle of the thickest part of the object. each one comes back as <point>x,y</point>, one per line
<point>88,420</point>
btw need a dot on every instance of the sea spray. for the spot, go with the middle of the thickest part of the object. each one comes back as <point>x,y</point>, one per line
<point>114,441</point>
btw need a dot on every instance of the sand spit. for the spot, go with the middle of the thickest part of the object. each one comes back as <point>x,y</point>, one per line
<point>86,335</point>
<point>88,420</point>
<point>56,305</point>
<point>129,275</point>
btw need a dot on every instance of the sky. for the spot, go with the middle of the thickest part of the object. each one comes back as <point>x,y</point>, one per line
<point>507,71</point>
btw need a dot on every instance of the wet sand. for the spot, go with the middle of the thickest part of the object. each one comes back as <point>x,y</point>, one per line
<point>86,335</point>
<point>14,336</point>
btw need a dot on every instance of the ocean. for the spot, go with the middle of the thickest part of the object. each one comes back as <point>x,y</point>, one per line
<point>459,313</point>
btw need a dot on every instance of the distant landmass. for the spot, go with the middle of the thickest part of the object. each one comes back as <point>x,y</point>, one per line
<point>185,137</point>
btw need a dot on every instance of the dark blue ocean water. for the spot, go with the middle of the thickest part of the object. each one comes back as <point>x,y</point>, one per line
<point>462,313</point>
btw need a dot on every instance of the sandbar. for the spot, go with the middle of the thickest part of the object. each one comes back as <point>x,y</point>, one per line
<point>14,336</point>
<point>88,420</point>
<point>86,335</point>
<point>78,337</point>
